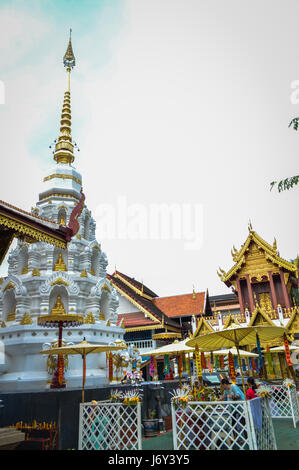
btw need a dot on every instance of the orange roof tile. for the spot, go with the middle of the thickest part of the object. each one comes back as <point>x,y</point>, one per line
<point>181,305</point>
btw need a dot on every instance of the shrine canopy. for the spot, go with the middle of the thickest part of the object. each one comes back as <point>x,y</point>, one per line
<point>176,347</point>
<point>282,349</point>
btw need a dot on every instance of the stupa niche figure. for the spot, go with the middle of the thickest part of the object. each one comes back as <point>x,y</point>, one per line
<point>43,278</point>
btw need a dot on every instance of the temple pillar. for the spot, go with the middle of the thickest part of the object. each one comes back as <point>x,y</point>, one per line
<point>250,293</point>
<point>272,288</point>
<point>240,296</point>
<point>284,290</point>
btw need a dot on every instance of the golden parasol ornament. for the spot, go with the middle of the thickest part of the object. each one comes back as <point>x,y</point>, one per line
<point>83,349</point>
<point>236,336</point>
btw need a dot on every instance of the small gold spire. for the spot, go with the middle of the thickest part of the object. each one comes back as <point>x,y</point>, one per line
<point>64,148</point>
<point>193,293</point>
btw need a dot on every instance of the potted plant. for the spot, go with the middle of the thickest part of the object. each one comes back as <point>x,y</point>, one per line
<point>150,425</point>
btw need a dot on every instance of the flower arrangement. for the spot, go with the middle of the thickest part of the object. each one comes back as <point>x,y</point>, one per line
<point>116,396</point>
<point>264,391</point>
<point>289,383</point>
<point>181,397</point>
<point>134,377</point>
<point>132,397</point>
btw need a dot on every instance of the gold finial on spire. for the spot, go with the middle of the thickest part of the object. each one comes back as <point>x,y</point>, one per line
<point>64,148</point>
<point>193,293</point>
<point>275,244</point>
<point>249,226</point>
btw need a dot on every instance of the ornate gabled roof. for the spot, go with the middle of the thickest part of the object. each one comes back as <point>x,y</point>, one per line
<point>202,328</point>
<point>293,324</point>
<point>270,252</point>
<point>260,317</point>
<point>230,321</point>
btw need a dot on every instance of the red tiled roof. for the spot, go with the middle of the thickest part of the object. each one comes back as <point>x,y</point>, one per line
<point>134,319</point>
<point>181,305</point>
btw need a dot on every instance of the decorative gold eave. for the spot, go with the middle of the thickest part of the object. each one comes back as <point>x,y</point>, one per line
<point>140,307</point>
<point>134,288</point>
<point>63,176</point>
<point>166,335</point>
<point>34,233</point>
<point>142,328</point>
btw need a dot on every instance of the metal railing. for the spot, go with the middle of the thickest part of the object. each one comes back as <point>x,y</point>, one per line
<point>110,426</point>
<point>230,425</point>
<point>284,403</point>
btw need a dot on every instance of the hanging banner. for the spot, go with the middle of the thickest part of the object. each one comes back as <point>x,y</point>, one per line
<point>152,367</point>
<point>222,361</point>
<point>270,362</point>
<point>231,366</point>
<point>243,365</point>
<point>217,362</point>
<point>184,362</point>
<point>258,345</point>
<point>236,362</point>
<point>203,361</point>
<point>287,351</point>
<point>110,367</point>
<point>198,362</point>
<point>156,369</point>
<point>250,363</point>
<point>166,364</point>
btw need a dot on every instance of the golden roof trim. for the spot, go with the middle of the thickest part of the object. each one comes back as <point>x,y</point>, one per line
<point>134,288</point>
<point>35,233</point>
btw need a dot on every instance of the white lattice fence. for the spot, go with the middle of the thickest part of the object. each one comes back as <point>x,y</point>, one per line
<point>110,426</point>
<point>221,426</point>
<point>284,403</point>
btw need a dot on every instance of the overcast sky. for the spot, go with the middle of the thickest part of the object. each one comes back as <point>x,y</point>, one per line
<point>181,102</point>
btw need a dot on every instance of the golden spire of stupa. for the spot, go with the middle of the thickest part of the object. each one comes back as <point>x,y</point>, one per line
<point>64,148</point>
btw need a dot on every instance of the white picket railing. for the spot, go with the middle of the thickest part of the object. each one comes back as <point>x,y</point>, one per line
<point>229,425</point>
<point>284,403</point>
<point>110,426</point>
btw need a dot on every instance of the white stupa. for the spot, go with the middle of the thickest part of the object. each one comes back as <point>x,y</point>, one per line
<point>41,276</point>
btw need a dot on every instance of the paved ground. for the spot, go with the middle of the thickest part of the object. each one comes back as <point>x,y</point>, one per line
<point>287,437</point>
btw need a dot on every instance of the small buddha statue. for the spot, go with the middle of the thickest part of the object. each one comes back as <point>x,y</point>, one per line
<point>58,307</point>
<point>60,264</point>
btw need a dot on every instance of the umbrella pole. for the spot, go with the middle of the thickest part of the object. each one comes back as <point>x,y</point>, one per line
<point>240,365</point>
<point>84,375</point>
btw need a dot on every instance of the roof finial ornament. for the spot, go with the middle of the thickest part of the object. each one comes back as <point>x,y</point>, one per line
<point>249,226</point>
<point>275,245</point>
<point>193,293</point>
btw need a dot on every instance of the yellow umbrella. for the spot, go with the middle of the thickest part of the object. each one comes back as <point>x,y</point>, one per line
<point>174,348</point>
<point>237,336</point>
<point>83,349</point>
